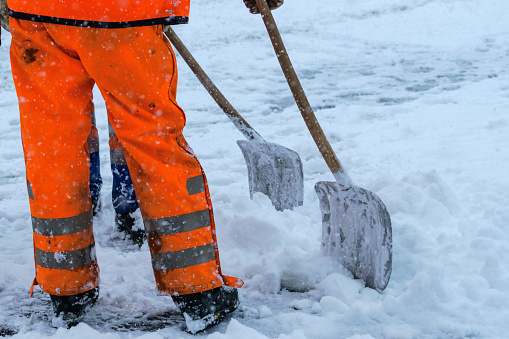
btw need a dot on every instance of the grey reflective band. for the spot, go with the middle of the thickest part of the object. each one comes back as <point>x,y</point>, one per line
<point>93,145</point>
<point>196,185</point>
<point>111,131</point>
<point>186,258</point>
<point>93,118</point>
<point>62,226</point>
<point>65,260</point>
<point>30,192</point>
<point>117,157</point>
<point>177,224</point>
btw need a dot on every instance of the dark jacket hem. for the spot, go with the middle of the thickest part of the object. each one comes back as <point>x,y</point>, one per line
<point>171,20</point>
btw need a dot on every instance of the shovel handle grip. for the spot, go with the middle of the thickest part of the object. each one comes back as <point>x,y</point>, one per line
<point>214,92</point>
<point>300,97</point>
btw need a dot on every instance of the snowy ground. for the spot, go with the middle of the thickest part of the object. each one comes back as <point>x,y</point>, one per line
<point>414,97</point>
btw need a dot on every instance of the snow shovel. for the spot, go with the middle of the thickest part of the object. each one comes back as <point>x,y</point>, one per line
<point>356,226</point>
<point>273,170</point>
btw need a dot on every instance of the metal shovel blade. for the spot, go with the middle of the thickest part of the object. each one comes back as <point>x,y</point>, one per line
<point>357,232</point>
<point>275,171</point>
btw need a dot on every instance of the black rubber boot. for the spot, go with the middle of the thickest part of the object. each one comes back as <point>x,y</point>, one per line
<point>69,310</point>
<point>125,223</point>
<point>205,309</point>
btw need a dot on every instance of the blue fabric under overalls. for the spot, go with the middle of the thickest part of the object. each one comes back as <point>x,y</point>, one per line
<point>122,195</point>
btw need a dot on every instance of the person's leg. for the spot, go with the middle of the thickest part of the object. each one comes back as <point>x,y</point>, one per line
<point>53,91</point>
<point>137,77</point>
<point>123,195</point>
<point>96,180</point>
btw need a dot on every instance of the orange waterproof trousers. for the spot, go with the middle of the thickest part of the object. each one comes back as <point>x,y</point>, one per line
<point>55,68</point>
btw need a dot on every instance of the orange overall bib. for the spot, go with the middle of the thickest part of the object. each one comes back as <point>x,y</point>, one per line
<point>55,68</point>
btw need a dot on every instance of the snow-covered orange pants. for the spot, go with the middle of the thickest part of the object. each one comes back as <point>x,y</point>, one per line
<point>55,68</point>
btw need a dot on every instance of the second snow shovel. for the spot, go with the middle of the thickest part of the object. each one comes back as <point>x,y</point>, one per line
<point>273,170</point>
<point>356,226</point>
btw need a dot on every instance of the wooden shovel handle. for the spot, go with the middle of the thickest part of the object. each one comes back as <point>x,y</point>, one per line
<point>216,94</point>
<point>300,97</point>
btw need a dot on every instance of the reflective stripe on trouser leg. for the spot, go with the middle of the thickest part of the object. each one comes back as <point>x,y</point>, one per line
<point>65,253</point>
<point>122,195</point>
<point>183,246</point>
<point>54,91</point>
<point>95,160</point>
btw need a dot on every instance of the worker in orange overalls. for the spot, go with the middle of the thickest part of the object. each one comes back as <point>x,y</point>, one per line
<point>59,50</point>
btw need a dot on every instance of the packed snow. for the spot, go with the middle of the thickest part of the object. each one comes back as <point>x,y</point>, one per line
<point>414,98</point>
